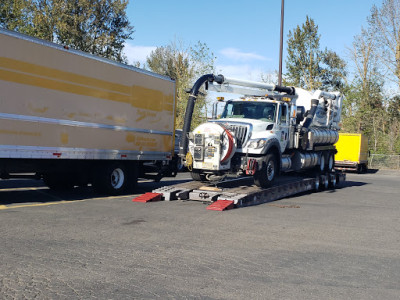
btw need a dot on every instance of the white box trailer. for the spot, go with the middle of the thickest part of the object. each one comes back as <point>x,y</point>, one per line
<point>74,118</point>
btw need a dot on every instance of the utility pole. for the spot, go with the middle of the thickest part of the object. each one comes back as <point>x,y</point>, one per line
<point>281,43</point>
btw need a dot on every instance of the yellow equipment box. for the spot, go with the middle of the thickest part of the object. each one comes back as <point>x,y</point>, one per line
<point>352,152</point>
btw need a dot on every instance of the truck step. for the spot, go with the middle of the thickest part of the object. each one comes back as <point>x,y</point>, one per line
<point>221,205</point>
<point>147,197</point>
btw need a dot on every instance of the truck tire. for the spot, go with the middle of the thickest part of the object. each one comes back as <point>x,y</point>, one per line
<point>268,172</point>
<point>58,181</point>
<point>113,179</point>
<point>198,176</point>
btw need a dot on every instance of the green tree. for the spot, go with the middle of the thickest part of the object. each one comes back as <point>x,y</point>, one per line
<point>304,56</point>
<point>364,112</point>
<point>185,65</point>
<point>333,71</point>
<point>308,66</point>
<point>393,112</point>
<point>99,27</point>
<point>375,56</point>
<point>371,113</point>
<point>16,15</point>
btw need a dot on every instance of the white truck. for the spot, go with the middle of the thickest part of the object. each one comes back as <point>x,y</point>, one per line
<point>73,118</point>
<point>270,130</point>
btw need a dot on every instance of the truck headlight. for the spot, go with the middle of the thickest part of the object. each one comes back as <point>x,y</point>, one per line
<point>256,144</point>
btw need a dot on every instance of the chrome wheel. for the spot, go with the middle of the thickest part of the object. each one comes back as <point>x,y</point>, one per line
<point>271,170</point>
<point>265,176</point>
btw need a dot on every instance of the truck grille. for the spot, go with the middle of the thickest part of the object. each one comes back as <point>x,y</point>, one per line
<point>240,132</point>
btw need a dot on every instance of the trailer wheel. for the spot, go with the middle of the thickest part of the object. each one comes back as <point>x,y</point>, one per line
<point>268,172</point>
<point>58,181</point>
<point>322,162</point>
<point>198,176</point>
<point>325,181</point>
<point>332,181</point>
<point>362,168</point>
<point>112,179</point>
<point>331,162</point>
<point>317,183</point>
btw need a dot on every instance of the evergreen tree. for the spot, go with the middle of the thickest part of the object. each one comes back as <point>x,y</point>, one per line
<point>304,56</point>
<point>309,67</point>
<point>16,15</point>
<point>99,27</point>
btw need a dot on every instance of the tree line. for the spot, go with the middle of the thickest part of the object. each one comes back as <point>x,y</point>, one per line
<point>369,76</point>
<point>99,27</point>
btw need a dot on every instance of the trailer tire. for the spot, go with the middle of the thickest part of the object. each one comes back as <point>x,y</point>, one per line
<point>322,163</point>
<point>58,181</point>
<point>325,182</point>
<point>198,176</point>
<point>331,162</point>
<point>362,168</point>
<point>268,172</point>
<point>332,181</point>
<point>317,183</point>
<point>112,179</point>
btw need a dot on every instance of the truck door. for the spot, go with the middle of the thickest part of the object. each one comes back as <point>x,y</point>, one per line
<point>283,125</point>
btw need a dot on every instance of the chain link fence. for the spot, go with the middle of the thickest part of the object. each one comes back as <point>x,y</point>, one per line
<point>383,161</point>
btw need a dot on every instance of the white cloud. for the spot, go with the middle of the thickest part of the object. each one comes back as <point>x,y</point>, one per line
<point>137,53</point>
<point>236,54</point>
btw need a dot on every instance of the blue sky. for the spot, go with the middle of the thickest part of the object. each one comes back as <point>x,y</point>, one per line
<point>243,35</point>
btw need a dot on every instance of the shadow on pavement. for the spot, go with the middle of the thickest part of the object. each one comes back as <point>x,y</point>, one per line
<point>369,171</point>
<point>23,191</point>
<point>20,191</point>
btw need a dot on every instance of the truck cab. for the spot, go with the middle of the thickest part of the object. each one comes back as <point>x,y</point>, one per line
<point>263,119</point>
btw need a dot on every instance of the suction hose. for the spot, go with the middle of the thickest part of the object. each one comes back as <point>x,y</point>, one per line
<point>190,107</point>
<point>311,113</point>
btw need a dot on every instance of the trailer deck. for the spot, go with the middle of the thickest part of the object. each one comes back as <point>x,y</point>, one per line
<point>241,192</point>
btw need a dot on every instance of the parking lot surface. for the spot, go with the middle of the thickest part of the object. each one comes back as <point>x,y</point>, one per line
<point>336,244</point>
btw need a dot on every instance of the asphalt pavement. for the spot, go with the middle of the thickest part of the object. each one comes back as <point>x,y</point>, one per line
<point>336,244</point>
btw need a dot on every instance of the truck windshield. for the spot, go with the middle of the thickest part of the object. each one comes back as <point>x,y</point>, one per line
<point>264,111</point>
